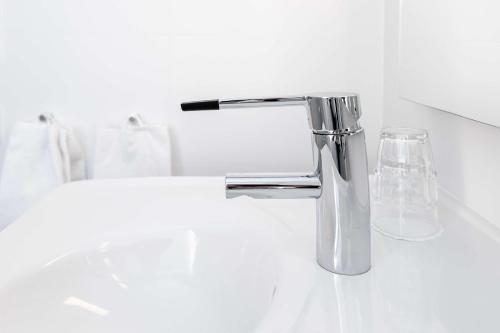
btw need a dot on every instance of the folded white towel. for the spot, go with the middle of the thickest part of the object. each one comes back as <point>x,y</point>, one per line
<point>72,155</point>
<point>39,157</point>
<point>139,150</point>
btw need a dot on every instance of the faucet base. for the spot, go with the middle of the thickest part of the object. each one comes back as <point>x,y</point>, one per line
<point>333,270</point>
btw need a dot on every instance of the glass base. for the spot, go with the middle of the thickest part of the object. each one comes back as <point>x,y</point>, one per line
<point>408,229</point>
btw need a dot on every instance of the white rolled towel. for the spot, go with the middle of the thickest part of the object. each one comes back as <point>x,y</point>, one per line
<point>39,157</point>
<point>133,150</point>
<point>72,155</point>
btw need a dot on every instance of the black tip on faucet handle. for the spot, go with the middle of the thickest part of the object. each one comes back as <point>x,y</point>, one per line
<point>212,104</point>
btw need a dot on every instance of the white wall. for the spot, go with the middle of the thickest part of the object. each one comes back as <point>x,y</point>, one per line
<point>467,153</point>
<point>94,61</point>
<point>455,47</point>
<point>2,65</point>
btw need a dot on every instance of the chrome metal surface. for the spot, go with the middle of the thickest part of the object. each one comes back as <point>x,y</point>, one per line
<point>328,113</point>
<point>333,113</point>
<point>339,182</point>
<point>136,120</point>
<point>273,186</point>
<point>261,102</point>
<point>343,208</point>
<point>47,118</point>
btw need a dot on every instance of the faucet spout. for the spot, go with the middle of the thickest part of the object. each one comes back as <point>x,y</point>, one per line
<point>273,186</point>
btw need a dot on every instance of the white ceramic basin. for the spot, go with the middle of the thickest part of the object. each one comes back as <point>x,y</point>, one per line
<point>139,256</point>
<point>186,280</point>
<point>173,255</point>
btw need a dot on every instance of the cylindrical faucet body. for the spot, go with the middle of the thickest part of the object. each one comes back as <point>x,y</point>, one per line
<point>343,207</point>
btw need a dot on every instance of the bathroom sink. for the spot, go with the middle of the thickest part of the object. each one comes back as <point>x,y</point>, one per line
<point>142,259</point>
<point>184,280</point>
<point>173,255</point>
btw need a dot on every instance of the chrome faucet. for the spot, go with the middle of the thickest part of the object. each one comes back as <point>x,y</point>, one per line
<point>339,182</point>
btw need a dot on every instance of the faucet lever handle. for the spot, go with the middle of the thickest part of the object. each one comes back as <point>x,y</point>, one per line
<point>215,104</point>
<point>206,105</point>
<point>328,113</point>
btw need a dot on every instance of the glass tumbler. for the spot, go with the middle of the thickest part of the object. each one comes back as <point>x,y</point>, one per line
<point>404,186</point>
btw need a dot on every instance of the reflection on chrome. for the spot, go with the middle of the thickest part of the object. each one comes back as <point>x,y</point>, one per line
<point>77,302</point>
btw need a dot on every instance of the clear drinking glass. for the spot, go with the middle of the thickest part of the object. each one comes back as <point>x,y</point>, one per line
<point>404,186</point>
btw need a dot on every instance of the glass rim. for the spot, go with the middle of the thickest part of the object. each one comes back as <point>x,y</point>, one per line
<point>404,133</point>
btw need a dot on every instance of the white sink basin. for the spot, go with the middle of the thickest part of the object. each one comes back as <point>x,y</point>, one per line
<point>173,255</point>
<point>186,280</point>
<point>144,256</point>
